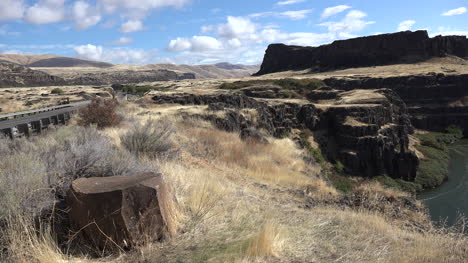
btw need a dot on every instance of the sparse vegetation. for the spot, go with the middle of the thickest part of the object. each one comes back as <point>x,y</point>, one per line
<point>100,112</point>
<point>399,184</point>
<point>316,153</point>
<point>142,90</point>
<point>57,91</point>
<point>226,190</point>
<point>291,88</point>
<point>433,169</point>
<point>151,139</point>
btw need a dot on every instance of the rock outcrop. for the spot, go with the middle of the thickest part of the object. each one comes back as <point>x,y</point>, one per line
<point>120,211</point>
<point>386,49</point>
<point>370,137</point>
<point>12,75</point>
<point>126,77</point>
<point>434,101</point>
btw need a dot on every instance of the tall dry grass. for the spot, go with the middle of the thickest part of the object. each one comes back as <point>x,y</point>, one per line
<point>235,203</point>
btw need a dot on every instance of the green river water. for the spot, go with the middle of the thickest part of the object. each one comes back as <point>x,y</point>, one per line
<point>450,200</point>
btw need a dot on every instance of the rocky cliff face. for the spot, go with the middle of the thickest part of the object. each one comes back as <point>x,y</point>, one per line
<point>12,75</point>
<point>434,101</point>
<point>369,137</point>
<point>386,49</point>
<point>127,76</point>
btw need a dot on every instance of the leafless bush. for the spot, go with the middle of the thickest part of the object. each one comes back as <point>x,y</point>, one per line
<point>151,139</point>
<point>101,113</point>
<point>33,170</point>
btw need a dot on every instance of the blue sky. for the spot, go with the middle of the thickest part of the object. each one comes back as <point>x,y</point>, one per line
<point>208,31</point>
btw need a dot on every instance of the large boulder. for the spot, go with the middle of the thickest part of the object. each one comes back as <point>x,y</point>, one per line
<point>121,211</point>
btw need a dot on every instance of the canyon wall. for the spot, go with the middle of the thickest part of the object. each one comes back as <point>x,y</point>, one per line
<point>386,49</point>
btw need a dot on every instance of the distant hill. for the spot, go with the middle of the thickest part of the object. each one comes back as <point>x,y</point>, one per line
<point>51,61</point>
<point>68,67</point>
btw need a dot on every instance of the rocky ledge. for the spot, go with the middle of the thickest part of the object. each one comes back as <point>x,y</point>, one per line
<point>386,49</point>
<point>370,137</point>
<point>434,101</point>
<point>12,75</point>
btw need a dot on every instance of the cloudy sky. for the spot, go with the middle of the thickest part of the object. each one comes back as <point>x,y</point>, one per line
<point>208,31</point>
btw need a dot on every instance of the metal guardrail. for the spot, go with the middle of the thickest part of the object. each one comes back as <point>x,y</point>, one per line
<point>32,112</point>
<point>34,121</point>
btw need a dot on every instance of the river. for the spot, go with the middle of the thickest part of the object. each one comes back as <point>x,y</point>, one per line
<point>450,200</point>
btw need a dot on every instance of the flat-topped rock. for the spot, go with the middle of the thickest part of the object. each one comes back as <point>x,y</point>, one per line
<point>385,49</point>
<point>120,211</point>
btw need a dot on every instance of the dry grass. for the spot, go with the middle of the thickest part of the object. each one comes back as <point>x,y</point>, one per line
<point>237,202</point>
<point>266,243</point>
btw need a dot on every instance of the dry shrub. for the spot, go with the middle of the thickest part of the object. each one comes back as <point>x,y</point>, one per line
<point>100,112</point>
<point>151,139</point>
<point>33,170</point>
<point>266,243</point>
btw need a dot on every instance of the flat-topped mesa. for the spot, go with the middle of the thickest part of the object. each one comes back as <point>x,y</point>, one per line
<point>386,49</point>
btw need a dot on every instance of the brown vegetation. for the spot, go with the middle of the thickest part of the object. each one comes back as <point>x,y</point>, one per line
<point>238,201</point>
<point>100,112</point>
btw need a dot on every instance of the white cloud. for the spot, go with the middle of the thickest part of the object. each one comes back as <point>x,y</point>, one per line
<point>131,26</point>
<point>195,44</point>
<point>179,44</point>
<point>406,25</point>
<point>12,51</point>
<point>455,12</point>
<point>45,12</point>
<point>84,15</point>
<point>289,2</point>
<point>296,15</point>
<point>11,9</point>
<point>353,22</point>
<point>236,27</point>
<point>112,5</point>
<point>116,55</point>
<point>331,11</point>
<point>240,40</point>
<point>89,51</point>
<point>123,41</point>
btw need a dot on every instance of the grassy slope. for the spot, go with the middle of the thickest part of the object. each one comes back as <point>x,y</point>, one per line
<point>243,202</point>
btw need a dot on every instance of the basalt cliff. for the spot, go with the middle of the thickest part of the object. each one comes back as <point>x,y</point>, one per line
<point>386,49</point>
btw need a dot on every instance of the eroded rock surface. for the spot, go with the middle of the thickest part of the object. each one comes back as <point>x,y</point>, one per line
<point>12,75</point>
<point>386,49</point>
<point>366,131</point>
<point>119,211</point>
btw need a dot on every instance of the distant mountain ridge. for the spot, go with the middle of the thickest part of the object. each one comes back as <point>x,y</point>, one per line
<point>61,66</point>
<point>51,61</point>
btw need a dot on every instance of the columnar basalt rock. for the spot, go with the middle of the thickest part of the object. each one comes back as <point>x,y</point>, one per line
<point>120,211</point>
<point>434,101</point>
<point>386,49</point>
<point>376,145</point>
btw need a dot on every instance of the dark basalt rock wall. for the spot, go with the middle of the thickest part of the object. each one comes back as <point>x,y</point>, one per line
<point>386,49</point>
<point>434,101</point>
<point>13,75</point>
<point>366,150</point>
<point>126,77</point>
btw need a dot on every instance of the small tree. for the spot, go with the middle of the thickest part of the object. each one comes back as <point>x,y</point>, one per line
<point>57,91</point>
<point>101,113</point>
